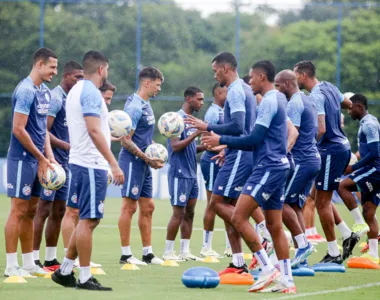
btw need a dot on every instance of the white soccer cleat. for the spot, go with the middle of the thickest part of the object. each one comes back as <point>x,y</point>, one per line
<point>280,287</point>
<point>36,271</point>
<point>17,271</point>
<point>189,257</point>
<point>172,256</point>
<point>228,252</point>
<point>135,261</point>
<point>209,252</point>
<point>156,261</point>
<point>264,280</point>
<point>94,265</point>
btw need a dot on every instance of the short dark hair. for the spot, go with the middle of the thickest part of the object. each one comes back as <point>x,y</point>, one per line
<point>226,58</point>
<point>107,86</point>
<point>216,85</point>
<point>43,54</point>
<point>306,66</point>
<point>191,91</point>
<point>71,66</point>
<point>151,73</point>
<point>92,60</point>
<point>246,78</point>
<point>268,68</point>
<point>360,99</point>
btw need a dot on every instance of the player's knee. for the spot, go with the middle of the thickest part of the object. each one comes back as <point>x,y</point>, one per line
<point>43,211</point>
<point>273,226</point>
<point>147,210</point>
<point>368,214</point>
<point>214,203</point>
<point>58,213</point>
<point>189,215</point>
<point>236,221</point>
<point>32,209</point>
<point>129,208</point>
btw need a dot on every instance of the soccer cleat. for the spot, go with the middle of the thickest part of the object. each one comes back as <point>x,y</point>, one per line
<point>95,265</point>
<point>349,244</point>
<point>209,252</point>
<point>93,285</point>
<point>17,271</point>
<point>304,263</point>
<point>187,256</point>
<point>130,259</point>
<point>331,259</point>
<point>52,265</point>
<point>151,259</point>
<point>360,229</point>
<point>36,271</point>
<point>38,263</point>
<point>280,287</point>
<point>371,258</point>
<point>316,238</point>
<point>228,252</point>
<point>264,280</point>
<point>233,269</point>
<point>302,254</point>
<point>172,256</point>
<point>64,280</point>
<point>253,263</point>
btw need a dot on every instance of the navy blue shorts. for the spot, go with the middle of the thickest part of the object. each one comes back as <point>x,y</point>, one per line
<point>22,179</point>
<point>210,171</point>
<point>367,179</point>
<point>181,190</point>
<point>332,169</point>
<point>88,190</point>
<point>138,178</point>
<point>299,181</point>
<point>62,193</point>
<point>373,197</point>
<point>233,174</point>
<point>267,187</point>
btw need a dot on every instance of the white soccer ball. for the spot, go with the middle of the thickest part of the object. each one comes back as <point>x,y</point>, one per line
<point>157,151</point>
<point>171,124</point>
<point>348,95</point>
<point>120,123</point>
<point>54,180</point>
<point>353,159</point>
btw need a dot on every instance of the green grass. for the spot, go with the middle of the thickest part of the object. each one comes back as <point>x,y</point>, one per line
<point>156,282</point>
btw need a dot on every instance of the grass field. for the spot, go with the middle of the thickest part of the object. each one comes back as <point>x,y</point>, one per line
<point>156,282</point>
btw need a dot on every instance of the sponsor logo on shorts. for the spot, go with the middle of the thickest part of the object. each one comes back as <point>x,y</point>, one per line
<point>302,197</point>
<point>282,199</point>
<point>26,190</point>
<point>249,188</point>
<point>220,188</point>
<point>337,179</point>
<point>293,195</point>
<point>369,185</point>
<point>47,192</point>
<point>74,198</point>
<point>24,153</point>
<point>319,183</point>
<point>135,190</point>
<point>378,195</point>
<point>238,189</point>
<point>182,198</point>
<point>101,207</point>
<point>266,196</point>
<point>10,186</point>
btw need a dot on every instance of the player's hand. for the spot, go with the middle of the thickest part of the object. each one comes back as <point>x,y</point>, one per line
<point>348,170</point>
<point>195,123</point>
<point>43,165</point>
<point>155,163</point>
<point>53,161</point>
<point>219,158</point>
<point>117,174</point>
<point>116,139</point>
<point>211,140</point>
<point>218,148</point>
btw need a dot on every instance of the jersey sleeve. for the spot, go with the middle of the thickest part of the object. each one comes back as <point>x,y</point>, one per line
<point>295,109</point>
<point>24,101</point>
<point>266,111</point>
<point>236,100</point>
<point>135,113</point>
<point>91,104</point>
<point>55,105</point>
<point>212,116</point>
<point>371,132</point>
<point>319,101</point>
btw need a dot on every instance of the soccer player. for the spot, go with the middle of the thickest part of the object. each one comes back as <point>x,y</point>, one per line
<point>365,174</point>
<point>137,189</point>
<point>53,203</point>
<point>182,180</point>
<point>303,114</point>
<point>334,149</point>
<point>29,157</point>
<point>90,158</point>
<point>239,118</point>
<point>266,185</point>
<point>107,90</point>
<point>210,168</point>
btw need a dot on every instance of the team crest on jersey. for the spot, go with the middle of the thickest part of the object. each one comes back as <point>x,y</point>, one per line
<point>47,192</point>
<point>101,207</point>
<point>26,190</point>
<point>74,198</point>
<point>182,198</point>
<point>135,190</point>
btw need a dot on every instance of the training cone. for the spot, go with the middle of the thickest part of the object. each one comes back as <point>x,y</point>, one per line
<point>48,275</point>
<point>362,263</point>
<point>170,263</point>
<point>130,267</point>
<point>200,277</point>
<point>15,279</point>
<point>97,271</point>
<point>247,255</point>
<point>238,279</point>
<point>303,272</point>
<point>211,259</point>
<point>362,244</point>
<point>329,267</point>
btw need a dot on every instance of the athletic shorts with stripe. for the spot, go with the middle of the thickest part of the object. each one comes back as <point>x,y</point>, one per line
<point>138,178</point>
<point>332,169</point>
<point>209,171</point>
<point>22,179</point>
<point>181,190</point>
<point>88,188</point>
<point>62,193</point>
<point>367,180</point>
<point>267,187</point>
<point>233,174</point>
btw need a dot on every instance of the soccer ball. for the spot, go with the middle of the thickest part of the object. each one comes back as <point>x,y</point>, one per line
<point>109,177</point>
<point>171,124</point>
<point>120,123</point>
<point>54,180</point>
<point>157,151</point>
<point>348,95</point>
<point>353,159</point>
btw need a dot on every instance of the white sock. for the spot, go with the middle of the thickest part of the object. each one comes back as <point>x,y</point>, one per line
<point>51,253</point>
<point>207,239</point>
<point>147,250</point>
<point>126,250</point>
<point>286,272</point>
<point>67,266</point>
<point>169,246</point>
<point>333,248</point>
<point>308,231</point>
<point>238,259</point>
<point>357,216</point>
<point>301,240</point>
<point>184,246</point>
<point>65,250</point>
<point>85,274</point>
<point>36,254</point>
<point>263,259</point>
<point>11,260</point>
<point>314,230</point>
<point>373,248</point>
<point>228,245</point>
<point>264,229</point>
<point>258,232</point>
<point>28,261</point>
<point>344,230</point>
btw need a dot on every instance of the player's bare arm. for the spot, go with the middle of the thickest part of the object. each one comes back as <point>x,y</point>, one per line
<point>54,141</point>
<point>292,135</point>
<point>179,145</point>
<point>321,126</point>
